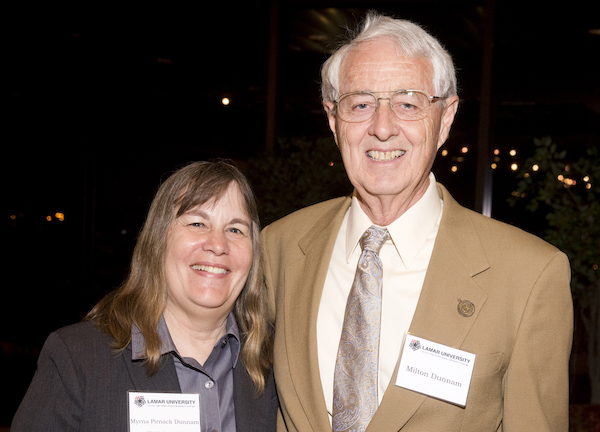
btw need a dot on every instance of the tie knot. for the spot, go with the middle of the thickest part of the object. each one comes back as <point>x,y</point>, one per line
<point>374,238</point>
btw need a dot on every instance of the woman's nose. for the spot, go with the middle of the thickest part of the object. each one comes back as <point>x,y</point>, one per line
<point>216,242</point>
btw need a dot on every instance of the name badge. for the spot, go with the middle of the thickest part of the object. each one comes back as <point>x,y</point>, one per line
<point>164,412</point>
<point>436,370</point>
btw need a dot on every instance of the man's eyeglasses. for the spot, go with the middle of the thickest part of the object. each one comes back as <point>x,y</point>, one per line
<point>360,106</point>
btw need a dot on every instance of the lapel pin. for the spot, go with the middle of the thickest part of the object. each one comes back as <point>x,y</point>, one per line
<point>465,308</point>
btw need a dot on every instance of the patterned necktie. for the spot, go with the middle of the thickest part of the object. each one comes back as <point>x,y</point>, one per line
<point>355,379</point>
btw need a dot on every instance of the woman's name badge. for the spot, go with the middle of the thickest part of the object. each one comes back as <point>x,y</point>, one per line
<point>163,412</point>
<point>436,370</point>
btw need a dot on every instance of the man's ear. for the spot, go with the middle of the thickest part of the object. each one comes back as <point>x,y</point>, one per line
<point>448,114</point>
<point>330,110</point>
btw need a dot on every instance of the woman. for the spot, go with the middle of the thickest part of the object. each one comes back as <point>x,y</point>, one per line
<point>193,302</point>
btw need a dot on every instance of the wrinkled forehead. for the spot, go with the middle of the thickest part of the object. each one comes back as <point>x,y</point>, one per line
<point>381,66</point>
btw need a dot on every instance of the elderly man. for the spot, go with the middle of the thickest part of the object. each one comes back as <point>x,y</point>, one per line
<point>396,308</point>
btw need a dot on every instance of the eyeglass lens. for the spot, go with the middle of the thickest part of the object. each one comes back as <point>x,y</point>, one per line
<point>357,107</point>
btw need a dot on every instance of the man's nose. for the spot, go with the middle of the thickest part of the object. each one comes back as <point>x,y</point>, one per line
<point>385,123</point>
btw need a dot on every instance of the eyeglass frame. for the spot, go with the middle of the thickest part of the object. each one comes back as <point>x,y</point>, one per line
<point>432,99</point>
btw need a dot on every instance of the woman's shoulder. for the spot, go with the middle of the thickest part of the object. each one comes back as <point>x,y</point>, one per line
<point>82,329</point>
<point>81,340</point>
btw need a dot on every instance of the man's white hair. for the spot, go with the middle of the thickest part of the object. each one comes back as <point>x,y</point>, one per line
<point>413,41</point>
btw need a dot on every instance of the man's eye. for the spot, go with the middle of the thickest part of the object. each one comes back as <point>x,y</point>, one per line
<point>407,106</point>
<point>362,105</point>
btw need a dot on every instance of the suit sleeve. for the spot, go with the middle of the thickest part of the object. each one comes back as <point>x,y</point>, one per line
<point>267,273</point>
<point>53,400</point>
<point>536,385</point>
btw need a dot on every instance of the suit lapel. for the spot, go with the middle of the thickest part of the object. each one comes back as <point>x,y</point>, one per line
<point>164,380</point>
<point>457,256</point>
<point>304,280</point>
<point>243,396</point>
<point>253,413</point>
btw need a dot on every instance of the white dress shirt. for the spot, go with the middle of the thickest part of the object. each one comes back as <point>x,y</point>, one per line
<point>405,260</point>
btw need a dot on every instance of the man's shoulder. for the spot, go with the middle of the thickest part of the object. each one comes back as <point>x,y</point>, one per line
<point>314,210</point>
<point>500,231</point>
<point>318,220</point>
<point>308,216</point>
<point>494,233</point>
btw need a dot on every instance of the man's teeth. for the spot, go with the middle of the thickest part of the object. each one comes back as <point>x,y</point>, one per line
<point>210,269</point>
<point>385,156</point>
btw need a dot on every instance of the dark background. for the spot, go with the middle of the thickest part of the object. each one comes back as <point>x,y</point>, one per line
<point>100,103</point>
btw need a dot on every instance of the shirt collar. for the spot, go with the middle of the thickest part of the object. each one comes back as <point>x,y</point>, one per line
<point>167,345</point>
<point>409,232</point>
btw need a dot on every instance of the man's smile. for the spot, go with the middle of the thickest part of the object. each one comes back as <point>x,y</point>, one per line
<point>385,156</point>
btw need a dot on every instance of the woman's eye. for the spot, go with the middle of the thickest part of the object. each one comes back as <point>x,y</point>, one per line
<point>196,224</point>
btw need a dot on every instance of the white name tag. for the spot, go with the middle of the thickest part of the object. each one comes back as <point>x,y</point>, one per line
<point>164,412</point>
<point>436,370</point>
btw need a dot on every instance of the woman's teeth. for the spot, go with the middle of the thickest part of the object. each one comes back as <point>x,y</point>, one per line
<point>209,269</point>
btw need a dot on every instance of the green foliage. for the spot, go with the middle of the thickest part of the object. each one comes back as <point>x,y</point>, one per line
<point>568,190</point>
<point>300,172</point>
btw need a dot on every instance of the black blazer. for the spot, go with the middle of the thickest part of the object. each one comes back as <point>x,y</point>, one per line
<point>81,384</point>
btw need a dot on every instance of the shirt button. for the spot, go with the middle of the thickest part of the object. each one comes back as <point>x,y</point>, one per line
<point>209,384</point>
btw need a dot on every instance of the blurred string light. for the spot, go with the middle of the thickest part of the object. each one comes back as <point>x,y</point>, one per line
<point>459,157</point>
<point>568,181</point>
<point>225,101</point>
<point>465,149</point>
<point>58,216</point>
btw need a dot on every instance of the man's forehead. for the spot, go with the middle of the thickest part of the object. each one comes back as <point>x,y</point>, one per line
<point>385,68</point>
<point>386,74</point>
<point>381,62</point>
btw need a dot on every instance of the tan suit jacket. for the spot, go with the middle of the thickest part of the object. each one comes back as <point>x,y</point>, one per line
<point>521,329</point>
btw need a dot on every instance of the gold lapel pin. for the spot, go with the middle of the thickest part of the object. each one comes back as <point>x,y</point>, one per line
<point>465,308</point>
